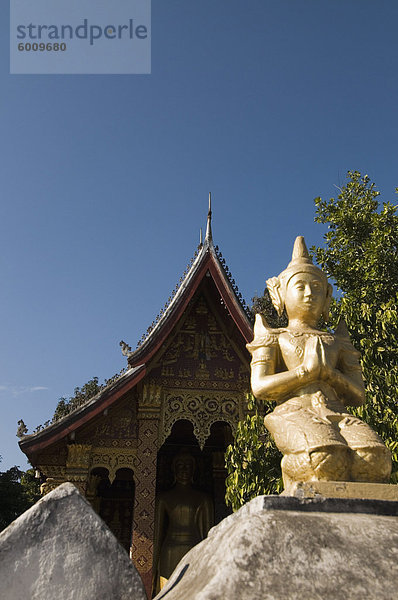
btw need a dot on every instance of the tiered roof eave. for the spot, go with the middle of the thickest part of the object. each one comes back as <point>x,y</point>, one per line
<point>84,413</point>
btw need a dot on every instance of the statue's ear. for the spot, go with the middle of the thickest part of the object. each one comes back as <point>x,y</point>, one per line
<point>274,288</point>
<point>326,306</point>
<point>261,326</point>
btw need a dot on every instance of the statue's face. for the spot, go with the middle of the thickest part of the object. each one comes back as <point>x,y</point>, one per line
<point>183,469</point>
<point>305,297</point>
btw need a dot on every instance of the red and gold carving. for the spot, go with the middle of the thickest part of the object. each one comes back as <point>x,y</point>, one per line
<point>201,409</point>
<point>78,456</point>
<point>144,510</point>
<point>201,355</point>
<point>77,464</point>
<point>113,459</point>
<point>117,426</point>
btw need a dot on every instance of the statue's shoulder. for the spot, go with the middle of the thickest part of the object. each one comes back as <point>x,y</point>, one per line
<point>264,335</point>
<point>342,336</point>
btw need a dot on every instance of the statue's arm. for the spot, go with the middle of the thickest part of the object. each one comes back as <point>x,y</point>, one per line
<point>347,379</point>
<point>268,385</point>
<point>349,387</point>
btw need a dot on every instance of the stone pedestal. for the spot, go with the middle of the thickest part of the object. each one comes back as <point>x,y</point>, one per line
<point>286,547</point>
<point>344,489</point>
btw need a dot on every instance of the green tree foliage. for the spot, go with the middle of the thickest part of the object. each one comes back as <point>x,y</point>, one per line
<point>18,492</point>
<point>263,305</point>
<point>253,460</point>
<point>361,255</point>
<point>80,397</point>
<point>31,486</point>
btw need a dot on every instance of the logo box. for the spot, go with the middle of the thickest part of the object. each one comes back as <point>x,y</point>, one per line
<point>80,37</point>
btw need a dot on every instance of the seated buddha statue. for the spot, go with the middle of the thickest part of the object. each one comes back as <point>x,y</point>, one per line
<point>184,516</point>
<point>313,376</point>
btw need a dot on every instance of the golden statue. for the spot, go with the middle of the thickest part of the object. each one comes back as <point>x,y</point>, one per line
<point>183,518</point>
<point>313,375</point>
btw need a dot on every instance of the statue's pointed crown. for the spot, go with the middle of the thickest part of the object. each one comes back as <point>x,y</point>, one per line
<point>301,263</point>
<point>300,253</point>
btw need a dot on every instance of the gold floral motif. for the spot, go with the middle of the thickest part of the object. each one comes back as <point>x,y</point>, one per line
<point>184,373</point>
<point>202,372</point>
<point>151,394</point>
<point>55,471</point>
<point>78,456</point>
<point>144,511</point>
<point>201,409</point>
<point>224,373</point>
<point>113,459</point>
<point>167,371</point>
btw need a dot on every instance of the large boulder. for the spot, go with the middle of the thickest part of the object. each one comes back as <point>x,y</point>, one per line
<point>277,548</point>
<point>60,548</point>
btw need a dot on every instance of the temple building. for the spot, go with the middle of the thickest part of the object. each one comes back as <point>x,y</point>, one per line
<point>184,387</point>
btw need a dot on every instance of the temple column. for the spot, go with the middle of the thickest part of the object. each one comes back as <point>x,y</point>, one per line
<point>219,476</point>
<point>145,483</point>
<point>77,464</point>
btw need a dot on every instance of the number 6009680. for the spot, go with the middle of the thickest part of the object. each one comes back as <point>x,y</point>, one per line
<point>41,47</point>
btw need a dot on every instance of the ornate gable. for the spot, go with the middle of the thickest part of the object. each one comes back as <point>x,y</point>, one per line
<point>202,371</point>
<point>200,354</point>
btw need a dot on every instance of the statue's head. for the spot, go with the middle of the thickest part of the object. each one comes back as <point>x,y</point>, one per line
<point>302,286</point>
<point>183,467</point>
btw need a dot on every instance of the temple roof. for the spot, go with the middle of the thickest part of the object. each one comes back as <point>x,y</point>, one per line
<point>207,262</point>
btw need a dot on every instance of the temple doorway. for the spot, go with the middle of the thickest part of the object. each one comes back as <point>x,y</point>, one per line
<point>190,493</point>
<point>114,502</point>
<point>210,472</point>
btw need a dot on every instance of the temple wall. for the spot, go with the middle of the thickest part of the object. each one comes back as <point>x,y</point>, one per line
<point>200,375</point>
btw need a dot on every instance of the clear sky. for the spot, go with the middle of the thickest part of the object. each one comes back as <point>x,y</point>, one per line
<point>104,179</point>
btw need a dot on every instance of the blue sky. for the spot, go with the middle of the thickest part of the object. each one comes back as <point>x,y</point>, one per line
<point>104,179</point>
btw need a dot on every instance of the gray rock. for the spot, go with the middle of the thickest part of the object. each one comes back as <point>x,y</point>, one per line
<point>271,550</point>
<point>60,548</point>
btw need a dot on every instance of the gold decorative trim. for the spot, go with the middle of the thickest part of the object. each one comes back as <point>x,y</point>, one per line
<point>78,456</point>
<point>202,409</point>
<point>208,385</point>
<point>113,459</point>
<point>150,401</point>
<point>151,394</point>
<point>56,472</point>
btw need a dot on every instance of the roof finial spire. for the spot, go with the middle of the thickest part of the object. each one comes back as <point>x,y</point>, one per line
<point>200,238</point>
<point>209,236</point>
